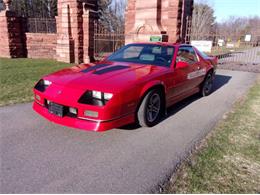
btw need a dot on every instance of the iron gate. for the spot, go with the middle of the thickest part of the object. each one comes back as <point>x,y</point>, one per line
<point>106,41</point>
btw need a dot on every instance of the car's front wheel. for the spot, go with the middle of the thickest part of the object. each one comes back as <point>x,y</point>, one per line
<point>150,110</point>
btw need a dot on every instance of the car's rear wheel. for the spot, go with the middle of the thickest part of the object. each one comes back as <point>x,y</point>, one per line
<point>207,85</point>
<point>150,110</point>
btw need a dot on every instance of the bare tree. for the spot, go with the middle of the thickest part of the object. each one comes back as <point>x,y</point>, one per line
<point>111,13</point>
<point>35,8</point>
<point>118,10</point>
<point>254,28</point>
<point>103,11</point>
<point>50,6</point>
<point>203,21</point>
<point>235,28</point>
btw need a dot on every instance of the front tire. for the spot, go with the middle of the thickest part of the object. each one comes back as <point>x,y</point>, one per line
<point>207,85</point>
<point>150,110</point>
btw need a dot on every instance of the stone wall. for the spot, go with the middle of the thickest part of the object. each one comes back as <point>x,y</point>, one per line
<point>41,45</point>
<point>4,41</point>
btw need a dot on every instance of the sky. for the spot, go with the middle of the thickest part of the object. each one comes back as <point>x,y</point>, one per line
<point>226,8</point>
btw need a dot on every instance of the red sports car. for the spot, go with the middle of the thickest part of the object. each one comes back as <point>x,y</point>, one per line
<point>135,84</point>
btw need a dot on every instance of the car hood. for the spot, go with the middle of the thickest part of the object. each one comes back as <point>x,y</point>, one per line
<point>105,76</point>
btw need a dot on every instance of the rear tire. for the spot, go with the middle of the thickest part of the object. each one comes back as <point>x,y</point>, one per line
<point>207,85</point>
<point>150,110</point>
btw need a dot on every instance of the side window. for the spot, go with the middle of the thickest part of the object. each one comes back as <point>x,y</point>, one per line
<point>193,54</point>
<point>187,54</point>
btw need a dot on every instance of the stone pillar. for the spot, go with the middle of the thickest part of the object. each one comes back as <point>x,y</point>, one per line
<point>143,20</point>
<point>130,16</point>
<point>74,34</point>
<point>88,29</point>
<point>173,23</point>
<point>76,12</point>
<point>11,35</point>
<point>157,17</point>
<point>89,17</point>
<point>65,43</point>
<point>69,31</point>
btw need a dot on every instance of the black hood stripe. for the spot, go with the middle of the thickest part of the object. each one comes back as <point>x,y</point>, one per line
<point>92,68</point>
<point>110,69</point>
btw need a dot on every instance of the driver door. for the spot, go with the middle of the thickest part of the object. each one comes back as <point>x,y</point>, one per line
<point>183,80</point>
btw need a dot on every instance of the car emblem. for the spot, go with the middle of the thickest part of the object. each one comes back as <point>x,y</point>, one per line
<point>59,92</point>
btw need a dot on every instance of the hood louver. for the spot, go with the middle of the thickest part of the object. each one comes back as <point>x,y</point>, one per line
<point>92,68</point>
<point>110,69</point>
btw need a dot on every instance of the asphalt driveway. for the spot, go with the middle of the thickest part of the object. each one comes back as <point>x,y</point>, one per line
<point>41,157</point>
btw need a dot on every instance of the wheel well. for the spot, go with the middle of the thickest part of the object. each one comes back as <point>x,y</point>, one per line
<point>210,71</point>
<point>157,87</point>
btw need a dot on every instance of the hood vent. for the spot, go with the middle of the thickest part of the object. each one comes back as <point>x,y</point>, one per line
<point>92,68</point>
<point>110,69</point>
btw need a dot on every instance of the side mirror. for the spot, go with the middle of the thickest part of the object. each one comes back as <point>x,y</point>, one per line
<point>181,65</point>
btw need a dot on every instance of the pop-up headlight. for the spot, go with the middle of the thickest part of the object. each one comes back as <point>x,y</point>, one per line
<point>42,85</point>
<point>96,98</point>
<point>47,83</point>
<point>97,95</point>
<point>108,96</point>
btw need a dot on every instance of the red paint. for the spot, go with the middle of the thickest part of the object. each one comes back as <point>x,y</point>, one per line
<point>128,86</point>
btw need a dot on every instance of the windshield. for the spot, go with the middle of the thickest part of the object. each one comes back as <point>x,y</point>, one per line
<point>151,54</point>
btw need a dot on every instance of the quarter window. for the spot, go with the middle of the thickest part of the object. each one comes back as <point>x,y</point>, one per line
<point>187,54</point>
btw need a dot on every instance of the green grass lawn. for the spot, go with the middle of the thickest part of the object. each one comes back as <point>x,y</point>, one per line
<point>18,76</point>
<point>229,159</point>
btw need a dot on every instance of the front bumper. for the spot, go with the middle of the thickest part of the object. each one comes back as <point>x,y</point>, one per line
<point>84,124</point>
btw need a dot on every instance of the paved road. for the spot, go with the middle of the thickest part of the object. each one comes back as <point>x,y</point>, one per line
<point>41,157</point>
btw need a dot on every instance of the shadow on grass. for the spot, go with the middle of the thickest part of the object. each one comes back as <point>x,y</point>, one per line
<point>220,81</point>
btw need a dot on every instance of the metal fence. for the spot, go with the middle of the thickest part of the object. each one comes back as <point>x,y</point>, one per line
<point>41,25</point>
<point>240,53</point>
<point>229,49</point>
<point>232,51</point>
<point>106,41</point>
